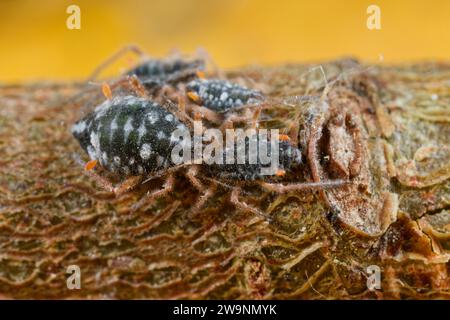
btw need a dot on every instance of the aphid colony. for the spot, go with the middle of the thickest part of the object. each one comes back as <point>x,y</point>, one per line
<point>131,135</point>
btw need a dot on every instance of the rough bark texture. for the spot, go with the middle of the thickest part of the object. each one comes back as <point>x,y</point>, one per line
<point>386,128</point>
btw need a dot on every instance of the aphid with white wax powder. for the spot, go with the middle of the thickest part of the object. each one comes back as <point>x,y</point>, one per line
<point>128,135</point>
<point>224,103</point>
<point>154,73</point>
<point>220,95</point>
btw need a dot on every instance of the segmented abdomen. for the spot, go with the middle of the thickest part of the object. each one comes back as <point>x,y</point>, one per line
<point>128,135</point>
<point>221,95</point>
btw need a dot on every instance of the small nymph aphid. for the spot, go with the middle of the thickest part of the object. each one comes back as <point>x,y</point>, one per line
<point>156,73</point>
<point>221,95</point>
<point>288,159</point>
<point>153,72</point>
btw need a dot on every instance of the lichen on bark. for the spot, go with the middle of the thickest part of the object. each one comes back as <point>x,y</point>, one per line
<point>318,243</point>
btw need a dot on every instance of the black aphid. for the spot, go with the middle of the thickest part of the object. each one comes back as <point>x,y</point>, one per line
<point>289,158</point>
<point>159,72</point>
<point>128,135</point>
<point>221,95</point>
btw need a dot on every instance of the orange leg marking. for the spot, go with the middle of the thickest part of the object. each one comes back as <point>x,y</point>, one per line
<point>90,165</point>
<point>280,173</point>
<point>193,96</point>
<point>106,89</point>
<point>201,74</point>
<point>284,137</point>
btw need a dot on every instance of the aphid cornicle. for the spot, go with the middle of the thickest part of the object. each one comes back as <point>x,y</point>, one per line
<point>128,135</point>
<point>221,95</point>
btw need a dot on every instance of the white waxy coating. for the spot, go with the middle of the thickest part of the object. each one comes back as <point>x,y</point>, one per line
<point>104,158</point>
<point>161,135</point>
<point>91,152</point>
<point>142,130</point>
<point>79,127</point>
<point>128,128</point>
<point>95,142</point>
<point>152,117</point>
<point>169,117</point>
<point>113,128</point>
<point>224,96</point>
<point>146,151</point>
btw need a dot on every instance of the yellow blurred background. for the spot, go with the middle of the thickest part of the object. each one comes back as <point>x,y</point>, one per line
<point>36,44</point>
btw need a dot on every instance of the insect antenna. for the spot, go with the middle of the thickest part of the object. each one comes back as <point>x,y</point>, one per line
<point>205,56</point>
<point>122,51</point>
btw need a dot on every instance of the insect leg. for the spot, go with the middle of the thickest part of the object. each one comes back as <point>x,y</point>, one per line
<point>251,114</point>
<point>205,56</point>
<point>205,195</point>
<point>283,188</point>
<point>244,206</point>
<point>106,184</point>
<point>133,84</point>
<point>191,174</point>
<point>118,189</point>
<point>88,170</point>
<point>203,198</point>
<point>198,111</point>
<point>227,124</point>
<point>179,112</point>
<point>255,117</point>
<point>129,48</point>
<point>167,187</point>
<point>127,185</point>
<point>205,113</point>
<point>234,118</point>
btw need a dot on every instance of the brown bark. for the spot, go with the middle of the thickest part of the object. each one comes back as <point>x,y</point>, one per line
<point>385,128</point>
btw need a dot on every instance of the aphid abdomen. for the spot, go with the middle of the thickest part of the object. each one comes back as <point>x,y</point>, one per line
<point>221,95</point>
<point>289,157</point>
<point>128,135</point>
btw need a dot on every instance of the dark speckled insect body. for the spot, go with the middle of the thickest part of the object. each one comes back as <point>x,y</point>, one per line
<point>159,72</point>
<point>134,138</point>
<point>128,135</point>
<point>221,95</point>
<point>289,158</point>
